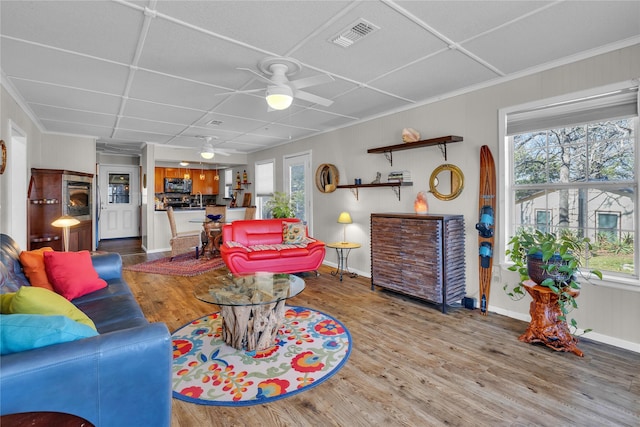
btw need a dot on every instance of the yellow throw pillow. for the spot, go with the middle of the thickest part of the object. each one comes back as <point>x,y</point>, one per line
<point>34,300</point>
<point>293,232</point>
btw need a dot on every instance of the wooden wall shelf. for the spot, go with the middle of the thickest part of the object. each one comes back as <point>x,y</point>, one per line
<point>395,186</point>
<point>440,141</point>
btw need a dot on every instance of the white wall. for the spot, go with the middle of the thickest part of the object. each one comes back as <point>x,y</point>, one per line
<point>613,314</point>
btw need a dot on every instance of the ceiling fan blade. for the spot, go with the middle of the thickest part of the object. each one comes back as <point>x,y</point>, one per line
<point>258,75</point>
<point>306,96</point>
<point>311,81</point>
<point>235,92</point>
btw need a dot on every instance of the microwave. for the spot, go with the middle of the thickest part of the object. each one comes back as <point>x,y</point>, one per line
<point>177,185</point>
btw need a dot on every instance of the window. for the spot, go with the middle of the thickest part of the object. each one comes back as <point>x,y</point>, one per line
<point>572,168</point>
<point>543,220</point>
<point>264,187</point>
<point>228,182</point>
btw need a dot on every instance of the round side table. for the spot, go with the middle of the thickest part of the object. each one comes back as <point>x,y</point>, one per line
<point>343,249</point>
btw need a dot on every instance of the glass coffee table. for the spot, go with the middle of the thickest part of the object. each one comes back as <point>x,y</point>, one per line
<point>251,306</point>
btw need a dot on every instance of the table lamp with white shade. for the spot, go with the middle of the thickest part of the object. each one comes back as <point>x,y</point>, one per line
<point>344,219</point>
<point>65,222</point>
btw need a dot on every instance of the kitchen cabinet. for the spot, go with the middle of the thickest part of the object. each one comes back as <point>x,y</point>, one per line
<point>419,255</point>
<point>159,180</point>
<point>208,186</point>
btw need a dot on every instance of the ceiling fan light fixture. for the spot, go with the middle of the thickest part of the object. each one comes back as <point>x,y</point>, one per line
<point>207,151</point>
<point>279,97</point>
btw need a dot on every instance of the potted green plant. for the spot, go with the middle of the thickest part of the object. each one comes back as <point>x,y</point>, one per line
<point>550,260</point>
<point>280,205</point>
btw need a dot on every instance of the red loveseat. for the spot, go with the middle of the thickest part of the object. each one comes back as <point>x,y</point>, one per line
<point>270,245</point>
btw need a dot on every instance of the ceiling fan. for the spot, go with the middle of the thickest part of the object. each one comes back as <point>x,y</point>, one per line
<point>207,152</point>
<point>281,91</point>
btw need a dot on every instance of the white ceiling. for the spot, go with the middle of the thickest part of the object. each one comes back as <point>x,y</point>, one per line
<point>159,71</point>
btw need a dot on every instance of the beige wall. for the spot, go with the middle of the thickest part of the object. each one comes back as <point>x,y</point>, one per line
<point>612,313</point>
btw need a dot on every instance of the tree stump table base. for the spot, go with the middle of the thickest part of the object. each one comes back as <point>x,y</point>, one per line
<point>545,327</point>
<point>252,327</point>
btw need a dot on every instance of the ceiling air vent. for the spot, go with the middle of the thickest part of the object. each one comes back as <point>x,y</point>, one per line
<point>214,122</point>
<point>353,33</point>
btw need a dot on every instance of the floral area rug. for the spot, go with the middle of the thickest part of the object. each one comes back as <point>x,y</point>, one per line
<point>182,265</point>
<point>311,346</point>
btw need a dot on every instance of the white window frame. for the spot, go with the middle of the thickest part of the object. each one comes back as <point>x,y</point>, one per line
<point>261,196</point>
<point>505,195</point>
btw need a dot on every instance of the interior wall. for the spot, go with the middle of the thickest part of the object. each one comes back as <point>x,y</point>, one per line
<point>611,313</point>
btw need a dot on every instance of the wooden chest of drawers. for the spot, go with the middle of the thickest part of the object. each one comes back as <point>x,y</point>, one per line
<point>419,255</point>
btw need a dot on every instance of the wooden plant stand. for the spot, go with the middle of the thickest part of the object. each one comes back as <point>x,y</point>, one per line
<point>545,327</point>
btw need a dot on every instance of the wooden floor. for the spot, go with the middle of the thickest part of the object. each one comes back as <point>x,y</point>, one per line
<point>414,366</point>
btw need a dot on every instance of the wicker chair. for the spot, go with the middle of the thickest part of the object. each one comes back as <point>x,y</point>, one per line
<point>182,242</point>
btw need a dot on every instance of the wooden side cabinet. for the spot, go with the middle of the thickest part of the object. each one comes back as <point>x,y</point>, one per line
<point>419,255</point>
<point>49,199</point>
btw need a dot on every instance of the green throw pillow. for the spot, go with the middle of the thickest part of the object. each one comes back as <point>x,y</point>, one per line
<point>34,300</point>
<point>20,332</point>
<point>5,302</point>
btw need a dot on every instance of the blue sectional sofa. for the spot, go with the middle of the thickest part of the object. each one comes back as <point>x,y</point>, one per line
<point>121,377</point>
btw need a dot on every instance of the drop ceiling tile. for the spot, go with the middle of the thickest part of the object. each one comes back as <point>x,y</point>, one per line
<point>365,102</point>
<point>436,76</point>
<point>574,27</point>
<point>60,68</point>
<point>165,113</point>
<point>142,136</point>
<point>153,126</point>
<point>461,20</point>
<point>272,26</point>
<point>76,129</point>
<point>46,112</point>
<point>178,92</point>
<point>184,52</point>
<point>79,26</point>
<point>397,42</point>
<point>81,100</point>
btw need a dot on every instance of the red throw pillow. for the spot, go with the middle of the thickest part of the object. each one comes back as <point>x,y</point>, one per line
<point>33,266</point>
<point>72,274</point>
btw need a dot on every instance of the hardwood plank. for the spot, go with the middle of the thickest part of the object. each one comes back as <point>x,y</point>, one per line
<point>411,365</point>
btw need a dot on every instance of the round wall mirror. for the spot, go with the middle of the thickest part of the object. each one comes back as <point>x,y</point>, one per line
<point>446,182</point>
<point>327,178</point>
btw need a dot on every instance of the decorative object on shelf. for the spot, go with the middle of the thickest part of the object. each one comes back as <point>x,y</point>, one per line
<point>399,176</point>
<point>245,177</point>
<point>238,179</point>
<point>344,219</point>
<point>327,178</point>
<point>65,222</point>
<point>410,135</point>
<point>449,178</point>
<point>357,181</point>
<point>3,159</point>
<point>420,205</point>
<point>377,180</point>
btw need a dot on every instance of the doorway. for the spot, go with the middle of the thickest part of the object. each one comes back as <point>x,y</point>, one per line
<point>118,201</point>
<point>297,183</point>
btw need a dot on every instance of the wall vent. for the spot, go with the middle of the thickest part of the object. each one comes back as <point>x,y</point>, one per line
<point>353,33</point>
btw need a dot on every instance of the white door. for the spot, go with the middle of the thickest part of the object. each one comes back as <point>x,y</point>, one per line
<point>17,174</point>
<point>297,183</point>
<point>119,201</point>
